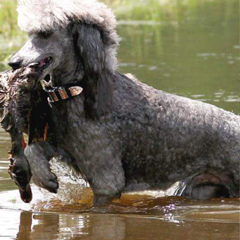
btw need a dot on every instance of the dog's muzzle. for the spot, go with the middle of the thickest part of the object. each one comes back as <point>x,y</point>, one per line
<point>57,94</point>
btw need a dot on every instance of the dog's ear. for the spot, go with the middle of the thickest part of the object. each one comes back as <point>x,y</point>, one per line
<point>90,47</point>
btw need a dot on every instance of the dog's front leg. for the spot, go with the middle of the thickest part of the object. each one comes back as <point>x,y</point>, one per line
<point>107,181</point>
<point>104,172</point>
<point>38,155</point>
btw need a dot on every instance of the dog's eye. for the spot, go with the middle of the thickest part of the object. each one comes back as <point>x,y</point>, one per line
<point>45,34</point>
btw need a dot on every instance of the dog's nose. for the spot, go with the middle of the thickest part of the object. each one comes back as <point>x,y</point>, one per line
<point>15,64</point>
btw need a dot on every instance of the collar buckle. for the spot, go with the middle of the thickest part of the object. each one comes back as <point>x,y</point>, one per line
<point>57,94</point>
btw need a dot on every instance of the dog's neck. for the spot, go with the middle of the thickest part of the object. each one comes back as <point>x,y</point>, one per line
<point>97,89</point>
<point>56,94</point>
<point>64,83</point>
<point>66,76</point>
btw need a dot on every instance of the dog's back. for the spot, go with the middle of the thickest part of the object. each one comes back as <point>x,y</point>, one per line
<point>169,138</point>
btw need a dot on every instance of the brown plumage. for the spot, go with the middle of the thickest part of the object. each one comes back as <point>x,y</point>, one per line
<point>20,100</point>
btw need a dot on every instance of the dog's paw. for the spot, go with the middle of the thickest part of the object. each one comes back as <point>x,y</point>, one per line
<point>46,180</point>
<point>102,199</point>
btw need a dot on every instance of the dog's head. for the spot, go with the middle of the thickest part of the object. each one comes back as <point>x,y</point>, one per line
<point>72,42</point>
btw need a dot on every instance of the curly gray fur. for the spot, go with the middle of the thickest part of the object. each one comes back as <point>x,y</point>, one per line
<point>124,134</point>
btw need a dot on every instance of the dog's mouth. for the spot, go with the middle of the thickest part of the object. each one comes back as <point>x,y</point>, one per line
<point>39,67</point>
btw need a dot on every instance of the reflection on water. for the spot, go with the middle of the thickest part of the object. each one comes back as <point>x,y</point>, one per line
<point>131,217</point>
<point>192,49</point>
<point>162,219</point>
<point>134,216</point>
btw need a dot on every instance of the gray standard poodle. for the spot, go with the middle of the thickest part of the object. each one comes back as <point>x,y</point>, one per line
<point>123,134</point>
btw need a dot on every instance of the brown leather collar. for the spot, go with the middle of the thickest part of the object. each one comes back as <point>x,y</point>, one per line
<point>57,94</point>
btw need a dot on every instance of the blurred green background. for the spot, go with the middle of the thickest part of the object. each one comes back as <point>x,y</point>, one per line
<point>187,47</point>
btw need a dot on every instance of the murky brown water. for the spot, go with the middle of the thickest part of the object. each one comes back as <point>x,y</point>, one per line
<point>195,54</point>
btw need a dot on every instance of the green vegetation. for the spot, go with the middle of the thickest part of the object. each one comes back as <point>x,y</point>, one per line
<point>142,10</point>
<point>10,35</point>
<point>186,46</point>
<point>146,12</point>
<point>8,18</point>
<point>164,10</point>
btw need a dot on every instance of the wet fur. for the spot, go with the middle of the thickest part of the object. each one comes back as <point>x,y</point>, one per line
<point>125,135</point>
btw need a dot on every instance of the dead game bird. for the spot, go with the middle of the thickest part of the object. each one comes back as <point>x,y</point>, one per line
<point>23,110</point>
